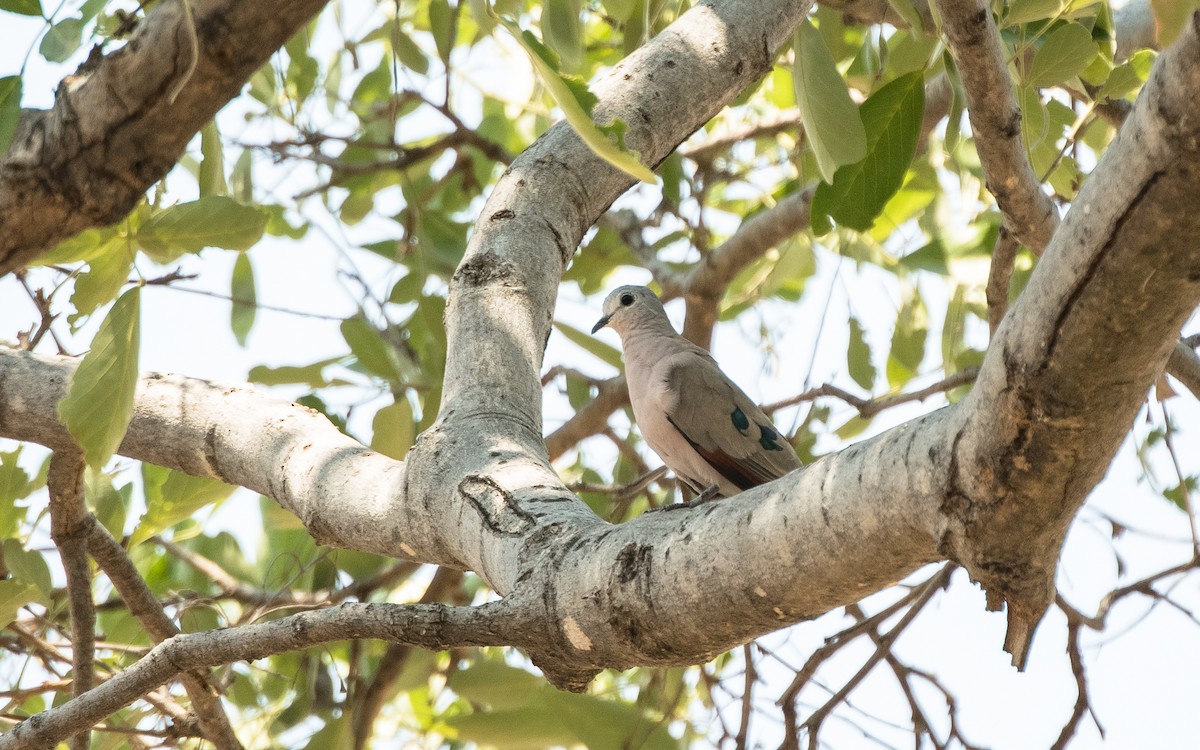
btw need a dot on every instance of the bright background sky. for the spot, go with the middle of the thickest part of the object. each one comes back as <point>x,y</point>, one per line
<point>1144,671</point>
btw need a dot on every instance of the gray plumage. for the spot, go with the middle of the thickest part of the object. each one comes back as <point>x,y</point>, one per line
<point>705,428</point>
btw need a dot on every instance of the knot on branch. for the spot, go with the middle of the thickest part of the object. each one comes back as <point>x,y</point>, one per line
<point>497,508</point>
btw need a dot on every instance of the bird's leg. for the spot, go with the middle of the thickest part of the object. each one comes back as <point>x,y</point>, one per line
<point>710,493</point>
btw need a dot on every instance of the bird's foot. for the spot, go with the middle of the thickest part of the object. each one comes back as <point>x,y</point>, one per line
<point>710,493</point>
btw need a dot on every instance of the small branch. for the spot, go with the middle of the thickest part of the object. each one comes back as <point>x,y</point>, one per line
<point>1081,692</point>
<point>747,697</point>
<point>1184,365</point>
<point>68,529</point>
<point>145,607</point>
<point>1004,255</point>
<point>869,407</point>
<point>1144,586</point>
<point>975,43</point>
<point>1188,505</point>
<point>426,625</point>
<point>812,724</point>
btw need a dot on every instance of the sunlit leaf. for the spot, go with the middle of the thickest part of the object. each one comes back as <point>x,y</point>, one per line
<point>370,349</point>
<point>858,192</point>
<point>858,357</point>
<point>831,121</point>
<point>576,101</point>
<point>212,161</point>
<point>171,497</point>
<point>99,403</point>
<point>244,299</point>
<point>393,430</point>
<point>24,7</point>
<point>908,339</point>
<point>213,221</point>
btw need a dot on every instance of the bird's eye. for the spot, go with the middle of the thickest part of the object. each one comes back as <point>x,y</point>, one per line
<point>626,300</point>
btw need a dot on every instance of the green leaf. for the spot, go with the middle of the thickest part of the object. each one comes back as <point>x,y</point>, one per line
<point>310,375</point>
<point>591,344</point>
<point>27,566</point>
<point>831,121</point>
<point>561,28</point>
<point>954,328</point>
<point>533,727</point>
<point>62,40</point>
<point>1065,52</point>
<point>393,429</point>
<point>212,161</point>
<point>441,24</point>
<point>858,357</point>
<point>23,7</point>
<point>212,221</point>
<point>408,52</point>
<point>908,339</point>
<point>858,192</point>
<point>15,485</point>
<point>99,403</point>
<point>1024,11</point>
<point>497,685</point>
<point>576,101</point>
<point>244,297</point>
<point>85,246</point>
<point>172,497</point>
<point>110,504</point>
<point>605,724</point>
<point>106,274</point>
<point>10,109</point>
<point>13,596</point>
<point>369,348</point>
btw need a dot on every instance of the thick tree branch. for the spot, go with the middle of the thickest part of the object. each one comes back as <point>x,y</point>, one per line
<point>120,123</point>
<point>996,121</point>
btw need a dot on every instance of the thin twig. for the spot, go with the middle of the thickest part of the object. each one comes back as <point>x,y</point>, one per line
<point>869,407</point>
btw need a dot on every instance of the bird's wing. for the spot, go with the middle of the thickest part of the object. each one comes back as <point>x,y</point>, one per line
<point>721,422</point>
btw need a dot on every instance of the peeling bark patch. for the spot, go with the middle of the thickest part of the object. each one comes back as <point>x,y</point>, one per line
<point>1094,265</point>
<point>483,269</point>
<point>575,635</point>
<point>497,509</point>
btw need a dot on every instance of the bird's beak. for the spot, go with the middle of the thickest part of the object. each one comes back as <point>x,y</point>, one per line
<point>601,323</point>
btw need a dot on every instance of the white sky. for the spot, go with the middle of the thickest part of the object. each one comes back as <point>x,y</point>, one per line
<point>1144,672</point>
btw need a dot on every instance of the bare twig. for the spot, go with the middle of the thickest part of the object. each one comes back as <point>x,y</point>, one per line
<point>1082,704</point>
<point>68,529</point>
<point>869,407</point>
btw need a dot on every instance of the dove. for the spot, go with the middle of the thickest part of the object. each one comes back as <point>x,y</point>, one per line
<point>699,422</point>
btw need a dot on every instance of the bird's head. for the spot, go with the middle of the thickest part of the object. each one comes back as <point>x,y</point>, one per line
<point>629,306</point>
